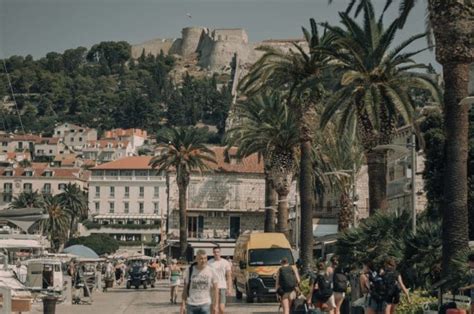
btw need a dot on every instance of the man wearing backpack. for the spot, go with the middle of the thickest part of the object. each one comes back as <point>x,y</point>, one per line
<point>287,280</point>
<point>200,287</point>
<point>321,294</point>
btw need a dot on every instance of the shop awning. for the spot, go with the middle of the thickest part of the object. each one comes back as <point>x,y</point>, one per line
<point>124,216</point>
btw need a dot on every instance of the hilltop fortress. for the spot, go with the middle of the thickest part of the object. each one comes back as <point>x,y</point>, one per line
<point>211,50</point>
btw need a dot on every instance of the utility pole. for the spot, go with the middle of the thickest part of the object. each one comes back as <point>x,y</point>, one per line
<point>354,196</point>
<point>413,182</point>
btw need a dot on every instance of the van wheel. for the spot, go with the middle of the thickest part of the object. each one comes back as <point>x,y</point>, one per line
<point>249,295</point>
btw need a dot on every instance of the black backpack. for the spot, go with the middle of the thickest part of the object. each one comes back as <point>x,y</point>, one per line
<point>384,287</point>
<point>340,281</point>
<point>287,278</point>
<point>324,291</point>
<point>390,279</point>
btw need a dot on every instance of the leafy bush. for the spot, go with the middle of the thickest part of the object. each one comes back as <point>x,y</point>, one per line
<point>419,302</point>
<point>382,235</point>
<point>100,243</point>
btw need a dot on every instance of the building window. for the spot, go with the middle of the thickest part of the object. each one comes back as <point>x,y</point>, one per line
<point>97,191</point>
<point>142,191</point>
<point>7,187</point>
<point>111,207</point>
<point>328,206</point>
<point>4,143</point>
<point>140,207</point>
<point>7,198</point>
<point>156,192</point>
<point>47,188</point>
<point>126,173</point>
<point>234,227</point>
<point>112,191</point>
<point>391,173</point>
<point>48,173</point>
<point>61,186</point>
<point>195,226</point>
<point>141,173</point>
<point>127,191</point>
<point>80,139</point>
<point>8,173</point>
<point>126,207</point>
<point>27,187</point>
<point>97,207</point>
<point>156,207</point>
<point>72,139</point>
<point>28,173</point>
<point>50,151</point>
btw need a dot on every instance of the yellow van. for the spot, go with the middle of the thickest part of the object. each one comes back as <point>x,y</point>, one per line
<point>256,261</point>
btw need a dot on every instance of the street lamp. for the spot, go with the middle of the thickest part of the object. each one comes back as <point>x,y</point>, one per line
<point>405,149</point>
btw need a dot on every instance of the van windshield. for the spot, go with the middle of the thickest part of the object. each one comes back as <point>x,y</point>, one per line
<point>269,257</point>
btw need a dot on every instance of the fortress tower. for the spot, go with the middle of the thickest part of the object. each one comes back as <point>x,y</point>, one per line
<point>190,39</point>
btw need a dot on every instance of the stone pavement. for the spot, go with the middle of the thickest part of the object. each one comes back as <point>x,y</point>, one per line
<point>121,300</point>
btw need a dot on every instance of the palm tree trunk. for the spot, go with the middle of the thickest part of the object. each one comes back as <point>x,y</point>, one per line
<point>345,213</point>
<point>456,118</point>
<point>282,225</point>
<point>306,196</point>
<point>183,222</point>
<point>270,203</point>
<point>377,172</point>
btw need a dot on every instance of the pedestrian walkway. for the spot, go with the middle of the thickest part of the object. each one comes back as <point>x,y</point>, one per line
<point>150,301</point>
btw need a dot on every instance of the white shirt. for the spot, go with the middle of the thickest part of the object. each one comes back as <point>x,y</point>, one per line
<point>221,267</point>
<point>200,285</point>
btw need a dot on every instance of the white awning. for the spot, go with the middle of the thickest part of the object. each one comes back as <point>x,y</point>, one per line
<point>143,216</point>
<point>20,244</point>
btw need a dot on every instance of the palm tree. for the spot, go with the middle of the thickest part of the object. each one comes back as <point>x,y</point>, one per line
<point>374,94</point>
<point>451,23</point>
<point>75,201</point>
<point>300,73</point>
<point>183,151</point>
<point>56,226</point>
<point>345,158</point>
<point>266,127</point>
<point>27,200</point>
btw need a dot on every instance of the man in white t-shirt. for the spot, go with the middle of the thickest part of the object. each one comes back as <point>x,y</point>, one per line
<point>200,287</point>
<point>223,270</point>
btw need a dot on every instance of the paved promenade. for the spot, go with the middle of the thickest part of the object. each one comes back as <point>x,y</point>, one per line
<point>120,300</point>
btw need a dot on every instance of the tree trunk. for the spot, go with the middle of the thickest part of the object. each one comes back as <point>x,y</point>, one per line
<point>183,221</point>
<point>455,214</point>
<point>270,204</point>
<point>377,171</point>
<point>282,225</point>
<point>345,213</point>
<point>306,196</point>
<point>452,25</point>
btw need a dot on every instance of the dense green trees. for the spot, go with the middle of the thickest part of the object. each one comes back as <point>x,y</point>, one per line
<point>104,88</point>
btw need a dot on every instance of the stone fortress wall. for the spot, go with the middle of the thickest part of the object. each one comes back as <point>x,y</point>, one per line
<point>212,49</point>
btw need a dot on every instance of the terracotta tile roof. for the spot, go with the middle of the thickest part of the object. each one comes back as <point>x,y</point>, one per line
<point>250,164</point>
<point>49,140</point>
<point>124,132</point>
<point>21,138</point>
<point>62,157</point>
<point>40,169</point>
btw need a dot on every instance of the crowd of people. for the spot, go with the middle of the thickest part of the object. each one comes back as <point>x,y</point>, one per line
<point>207,284</point>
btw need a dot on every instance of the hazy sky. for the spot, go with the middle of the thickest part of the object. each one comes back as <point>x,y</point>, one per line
<point>39,26</point>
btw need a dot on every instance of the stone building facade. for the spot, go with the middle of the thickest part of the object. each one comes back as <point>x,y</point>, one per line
<point>74,136</point>
<point>222,203</point>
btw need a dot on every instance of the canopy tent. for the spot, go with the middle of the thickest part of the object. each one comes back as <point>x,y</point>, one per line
<point>24,218</point>
<point>81,251</point>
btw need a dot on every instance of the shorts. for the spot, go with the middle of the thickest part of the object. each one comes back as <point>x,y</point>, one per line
<point>339,295</point>
<point>289,295</point>
<point>222,296</point>
<point>198,309</point>
<point>377,306</point>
